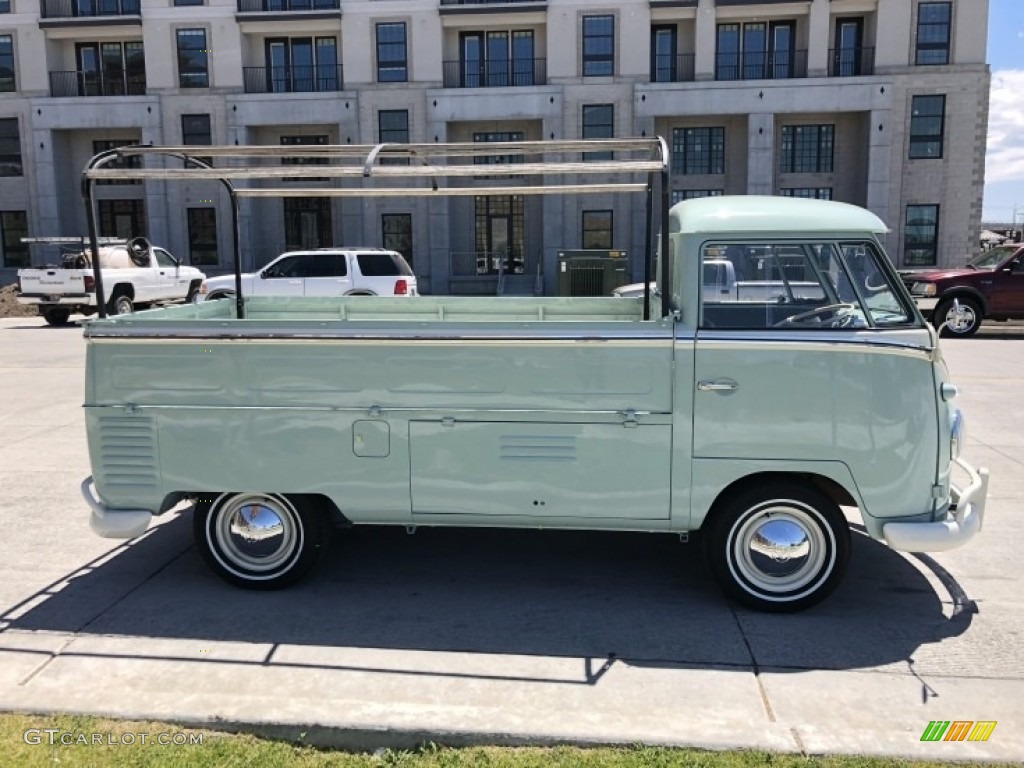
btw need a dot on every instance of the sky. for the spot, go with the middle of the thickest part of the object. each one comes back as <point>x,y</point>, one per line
<point>1004,160</point>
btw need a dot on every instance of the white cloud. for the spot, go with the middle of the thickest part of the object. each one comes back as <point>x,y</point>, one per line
<point>1004,159</point>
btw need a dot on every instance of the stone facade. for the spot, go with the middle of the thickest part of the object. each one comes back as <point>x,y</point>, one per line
<point>327,71</point>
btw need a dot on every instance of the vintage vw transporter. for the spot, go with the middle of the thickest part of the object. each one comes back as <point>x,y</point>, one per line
<point>752,421</point>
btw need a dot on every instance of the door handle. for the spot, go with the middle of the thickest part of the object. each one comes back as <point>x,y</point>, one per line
<point>718,385</point>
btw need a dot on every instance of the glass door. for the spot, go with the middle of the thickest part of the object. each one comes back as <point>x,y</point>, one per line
<point>89,80</point>
<point>472,59</point>
<point>755,51</point>
<point>663,55</point>
<point>848,50</point>
<point>301,64</point>
<point>781,61</point>
<point>277,66</point>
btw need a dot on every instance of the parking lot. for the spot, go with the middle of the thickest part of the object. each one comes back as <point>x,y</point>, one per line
<point>466,636</point>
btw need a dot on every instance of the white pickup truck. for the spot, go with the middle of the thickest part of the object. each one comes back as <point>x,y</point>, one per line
<point>138,274</point>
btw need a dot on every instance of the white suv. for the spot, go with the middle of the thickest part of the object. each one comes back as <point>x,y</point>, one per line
<point>323,272</point>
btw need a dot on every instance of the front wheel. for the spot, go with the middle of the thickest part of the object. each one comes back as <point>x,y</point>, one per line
<point>259,540</point>
<point>778,548</point>
<point>967,325</point>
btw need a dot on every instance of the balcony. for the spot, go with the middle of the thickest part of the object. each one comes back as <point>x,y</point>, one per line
<point>673,69</point>
<point>63,84</point>
<point>490,6</point>
<point>287,6</point>
<point>494,2</point>
<point>79,9</point>
<point>851,62</point>
<point>305,79</point>
<point>762,65</point>
<point>495,74</point>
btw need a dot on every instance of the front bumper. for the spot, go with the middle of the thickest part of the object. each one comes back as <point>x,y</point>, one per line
<point>962,522</point>
<point>114,523</point>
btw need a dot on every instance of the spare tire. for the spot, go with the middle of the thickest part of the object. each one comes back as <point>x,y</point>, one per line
<point>138,250</point>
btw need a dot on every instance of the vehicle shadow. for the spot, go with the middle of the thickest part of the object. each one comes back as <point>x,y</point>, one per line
<point>639,599</point>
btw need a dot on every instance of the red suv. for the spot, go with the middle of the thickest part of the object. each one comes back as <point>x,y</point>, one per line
<point>990,286</point>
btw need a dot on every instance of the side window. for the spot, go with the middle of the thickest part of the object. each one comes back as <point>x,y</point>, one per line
<point>381,265</point>
<point>293,266</point>
<point>327,265</point>
<point>797,286</point>
<point>163,258</point>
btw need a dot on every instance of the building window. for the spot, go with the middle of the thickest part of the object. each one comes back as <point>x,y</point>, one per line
<point>497,159</point>
<point>202,235</point>
<point>196,131</point>
<point>933,33</point>
<point>318,140</point>
<point>122,218</point>
<point>756,51</point>
<point>927,118</point>
<point>393,128</point>
<point>921,236</point>
<point>494,59</point>
<point>5,6</point>
<point>188,2</point>
<point>598,123</point>
<point>296,65</point>
<point>10,147</point>
<point>597,230</point>
<point>694,194</point>
<point>807,148</point>
<point>103,69</point>
<point>307,223</point>
<point>13,227</point>
<point>808,193</point>
<point>131,161</point>
<point>396,233</point>
<point>6,63</point>
<point>598,46</point>
<point>392,62</point>
<point>698,150</point>
<point>193,70</point>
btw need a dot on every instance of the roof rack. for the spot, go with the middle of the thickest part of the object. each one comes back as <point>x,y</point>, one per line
<point>430,170</point>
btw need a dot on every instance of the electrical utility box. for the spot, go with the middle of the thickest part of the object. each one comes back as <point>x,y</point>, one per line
<point>591,272</point>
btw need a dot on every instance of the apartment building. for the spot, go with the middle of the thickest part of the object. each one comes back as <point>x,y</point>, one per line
<point>881,103</point>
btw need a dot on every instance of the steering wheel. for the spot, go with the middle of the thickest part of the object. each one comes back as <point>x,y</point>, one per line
<point>835,310</point>
<point>138,251</point>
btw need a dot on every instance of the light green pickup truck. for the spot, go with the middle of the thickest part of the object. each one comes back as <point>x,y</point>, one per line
<point>752,422</point>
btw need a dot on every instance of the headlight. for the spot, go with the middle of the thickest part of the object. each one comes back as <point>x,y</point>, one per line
<point>956,433</point>
<point>203,289</point>
<point>923,289</point>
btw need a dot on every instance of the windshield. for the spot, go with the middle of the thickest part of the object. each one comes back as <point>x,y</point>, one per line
<point>993,258</point>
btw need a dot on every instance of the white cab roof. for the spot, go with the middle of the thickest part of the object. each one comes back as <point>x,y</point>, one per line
<point>762,213</point>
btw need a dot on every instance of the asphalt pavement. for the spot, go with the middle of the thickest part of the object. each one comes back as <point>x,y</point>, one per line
<point>503,637</point>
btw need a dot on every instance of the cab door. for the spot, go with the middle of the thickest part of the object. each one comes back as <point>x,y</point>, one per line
<point>170,282</point>
<point>1008,288</point>
<point>285,277</point>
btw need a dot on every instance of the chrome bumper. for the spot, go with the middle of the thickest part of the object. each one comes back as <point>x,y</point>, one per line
<point>113,523</point>
<point>80,300</point>
<point>926,305</point>
<point>957,529</point>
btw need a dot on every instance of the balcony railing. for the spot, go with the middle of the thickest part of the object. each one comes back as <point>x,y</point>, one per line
<point>495,74</point>
<point>62,9</point>
<point>761,65</point>
<point>97,84</point>
<point>305,79</point>
<point>851,62</point>
<point>673,69</point>
<point>284,6</point>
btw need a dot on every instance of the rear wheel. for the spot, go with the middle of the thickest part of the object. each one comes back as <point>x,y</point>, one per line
<point>120,304</point>
<point>57,315</point>
<point>259,540</point>
<point>968,325</point>
<point>778,548</point>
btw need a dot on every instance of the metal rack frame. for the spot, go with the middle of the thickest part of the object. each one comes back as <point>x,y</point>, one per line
<point>433,163</point>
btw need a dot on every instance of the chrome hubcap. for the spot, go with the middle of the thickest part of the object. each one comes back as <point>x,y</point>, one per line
<point>257,533</point>
<point>780,548</point>
<point>962,321</point>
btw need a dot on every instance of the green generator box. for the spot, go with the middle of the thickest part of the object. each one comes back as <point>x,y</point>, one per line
<point>591,272</point>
